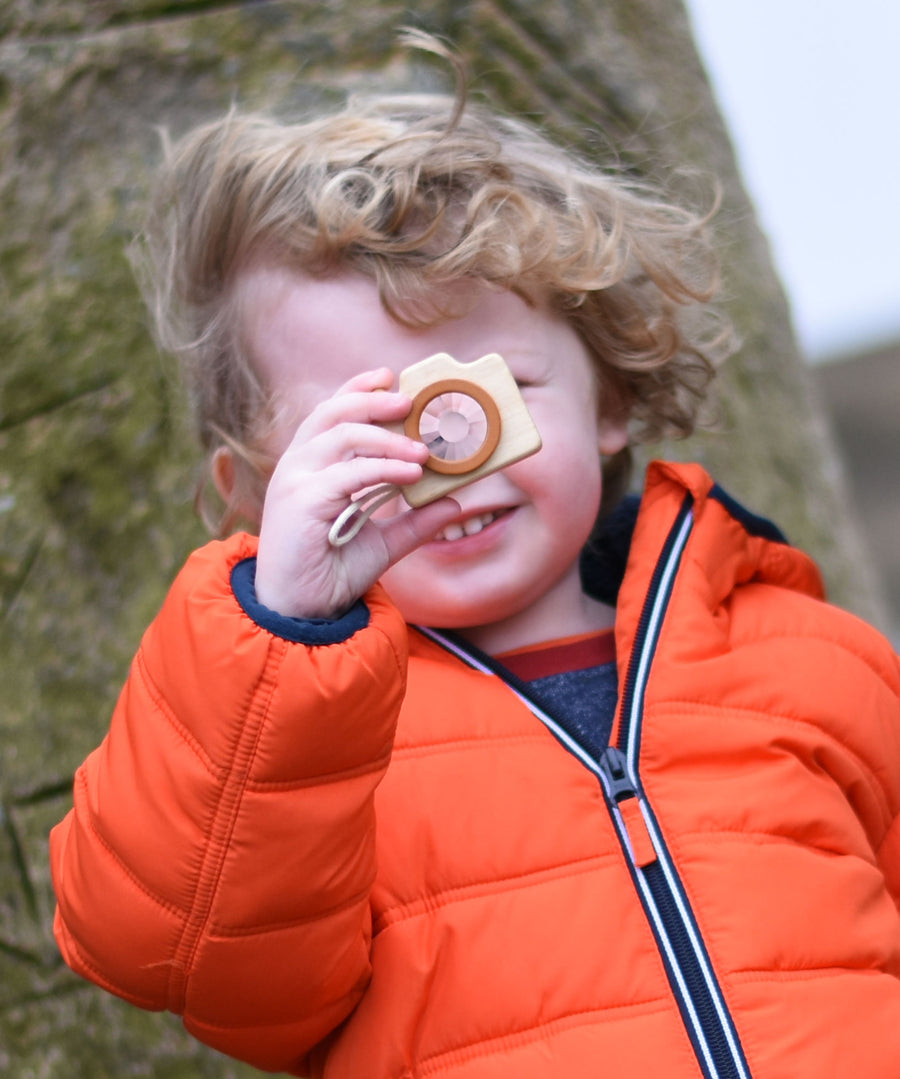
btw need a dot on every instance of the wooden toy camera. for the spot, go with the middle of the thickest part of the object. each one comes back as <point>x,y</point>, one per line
<point>472,418</point>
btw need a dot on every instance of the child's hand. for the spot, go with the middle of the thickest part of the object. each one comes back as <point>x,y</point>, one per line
<point>335,453</point>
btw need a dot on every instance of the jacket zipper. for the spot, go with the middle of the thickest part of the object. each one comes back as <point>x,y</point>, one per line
<point>707,1020</point>
<point>705,1014</point>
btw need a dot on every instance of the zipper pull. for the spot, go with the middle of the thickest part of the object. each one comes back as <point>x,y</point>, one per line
<point>624,794</point>
<point>614,766</point>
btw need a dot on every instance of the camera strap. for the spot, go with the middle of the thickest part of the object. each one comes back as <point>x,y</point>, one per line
<point>348,524</point>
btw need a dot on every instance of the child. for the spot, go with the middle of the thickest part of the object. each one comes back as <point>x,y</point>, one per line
<point>341,843</point>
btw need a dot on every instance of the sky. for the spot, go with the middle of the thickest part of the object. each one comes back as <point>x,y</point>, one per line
<point>810,90</point>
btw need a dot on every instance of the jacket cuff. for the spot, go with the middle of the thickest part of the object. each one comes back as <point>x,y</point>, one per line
<point>310,631</point>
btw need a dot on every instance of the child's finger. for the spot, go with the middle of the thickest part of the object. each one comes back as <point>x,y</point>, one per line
<point>378,378</point>
<point>354,407</point>
<point>346,479</point>
<point>407,531</point>
<point>349,440</point>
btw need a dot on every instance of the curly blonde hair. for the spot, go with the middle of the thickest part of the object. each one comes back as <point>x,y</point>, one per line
<point>417,192</point>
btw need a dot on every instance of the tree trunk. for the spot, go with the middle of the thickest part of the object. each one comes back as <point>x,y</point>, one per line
<point>96,469</point>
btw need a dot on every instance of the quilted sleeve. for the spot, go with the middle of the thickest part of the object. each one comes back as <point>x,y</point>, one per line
<point>220,852</point>
<point>861,693</point>
<point>888,757</point>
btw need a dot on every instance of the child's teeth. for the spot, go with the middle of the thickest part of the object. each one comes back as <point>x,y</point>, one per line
<point>470,527</point>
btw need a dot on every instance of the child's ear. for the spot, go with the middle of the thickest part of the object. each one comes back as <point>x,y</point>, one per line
<point>612,433</point>
<point>614,411</point>
<point>241,490</point>
<point>223,473</point>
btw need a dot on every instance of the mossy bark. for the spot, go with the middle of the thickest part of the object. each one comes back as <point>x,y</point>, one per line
<point>96,460</point>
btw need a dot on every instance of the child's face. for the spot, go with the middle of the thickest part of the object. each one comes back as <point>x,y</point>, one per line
<point>507,571</point>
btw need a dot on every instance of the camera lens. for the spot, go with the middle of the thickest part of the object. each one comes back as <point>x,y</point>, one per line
<point>453,426</point>
<point>458,421</point>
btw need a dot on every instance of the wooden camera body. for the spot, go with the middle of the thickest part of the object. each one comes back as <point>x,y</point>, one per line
<point>472,418</point>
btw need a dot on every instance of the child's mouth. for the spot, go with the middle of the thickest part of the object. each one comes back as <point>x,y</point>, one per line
<point>471,526</point>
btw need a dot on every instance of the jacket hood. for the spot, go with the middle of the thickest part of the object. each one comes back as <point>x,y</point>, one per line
<point>753,545</point>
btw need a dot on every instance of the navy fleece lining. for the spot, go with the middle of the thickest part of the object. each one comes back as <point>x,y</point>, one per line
<point>606,553</point>
<point>310,631</point>
<point>752,522</point>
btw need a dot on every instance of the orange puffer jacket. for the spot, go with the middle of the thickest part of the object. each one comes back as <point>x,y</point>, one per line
<point>370,859</point>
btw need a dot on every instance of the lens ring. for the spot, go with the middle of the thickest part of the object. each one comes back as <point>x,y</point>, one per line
<point>453,426</point>
<point>444,392</point>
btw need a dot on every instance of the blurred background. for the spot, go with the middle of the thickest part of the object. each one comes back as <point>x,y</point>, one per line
<point>97,463</point>
<point>810,91</point>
